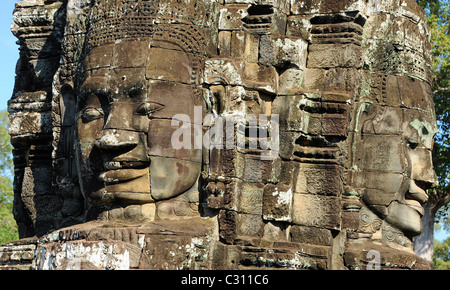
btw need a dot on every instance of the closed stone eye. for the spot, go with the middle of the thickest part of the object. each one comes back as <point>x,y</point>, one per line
<point>90,114</point>
<point>149,108</point>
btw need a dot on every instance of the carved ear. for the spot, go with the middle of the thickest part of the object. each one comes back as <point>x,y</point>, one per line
<point>365,115</point>
<point>68,105</point>
<point>218,97</point>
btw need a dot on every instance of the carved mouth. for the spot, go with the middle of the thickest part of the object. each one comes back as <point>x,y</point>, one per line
<point>123,171</point>
<point>414,204</point>
<point>122,175</point>
<point>115,165</point>
<point>416,197</point>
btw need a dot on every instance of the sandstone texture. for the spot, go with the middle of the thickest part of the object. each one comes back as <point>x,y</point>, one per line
<point>220,134</point>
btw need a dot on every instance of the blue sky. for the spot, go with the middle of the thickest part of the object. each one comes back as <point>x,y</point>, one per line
<point>9,54</point>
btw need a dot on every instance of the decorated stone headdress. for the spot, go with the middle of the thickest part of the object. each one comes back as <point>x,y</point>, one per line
<point>180,22</point>
<point>185,23</point>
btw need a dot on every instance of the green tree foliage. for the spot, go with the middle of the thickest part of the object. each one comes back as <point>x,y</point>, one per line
<point>438,16</point>
<point>441,257</point>
<point>438,19</point>
<point>8,226</point>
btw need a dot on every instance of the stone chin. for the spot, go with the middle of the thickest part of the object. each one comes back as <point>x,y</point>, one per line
<point>405,218</point>
<point>171,177</point>
<point>166,178</point>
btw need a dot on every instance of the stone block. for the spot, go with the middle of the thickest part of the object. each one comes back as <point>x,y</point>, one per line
<point>260,77</point>
<point>224,46</point>
<point>224,194</point>
<point>333,55</point>
<point>250,198</point>
<point>275,231</point>
<point>418,128</point>
<point>332,6</point>
<point>30,123</point>
<point>350,220</point>
<point>179,252</point>
<point>420,161</point>
<point>387,121</point>
<point>225,257</point>
<point>277,203</point>
<point>341,80</point>
<point>36,181</point>
<point>175,64</point>
<point>18,255</point>
<point>162,129</point>
<point>314,79</point>
<point>383,181</point>
<point>43,71</point>
<point>237,43</point>
<point>415,94</point>
<point>335,125</point>
<point>230,17</point>
<point>310,235</point>
<point>381,153</point>
<point>287,143</point>
<point>227,226</point>
<point>298,26</point>
<point>316,211</point>
<point>252,168</point>
<point>223,162</point>
<point>288,109</point>
<point>249,225</point>
<point>83,255</point>
<point>251,49</point>
<point>264,19</point>
<point>291,81</point>
<point>283,52</point>
<point>222,70</point>
<point>242,45</point>
<point>96,58</point>
<point>359,257</point>
<point>312,123</point>
<point>323,179</point>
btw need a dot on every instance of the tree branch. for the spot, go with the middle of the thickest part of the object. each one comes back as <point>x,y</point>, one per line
<point>439,199</point>
<point>440,90</point>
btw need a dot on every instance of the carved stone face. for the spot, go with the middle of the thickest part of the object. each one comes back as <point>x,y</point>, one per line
<point>395,162</point>
<point>130,93</point>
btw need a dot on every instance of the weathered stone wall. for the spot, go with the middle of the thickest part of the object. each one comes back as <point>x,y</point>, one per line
<point>18,255</point>
<point>39,27</point>
<point>335,84</point>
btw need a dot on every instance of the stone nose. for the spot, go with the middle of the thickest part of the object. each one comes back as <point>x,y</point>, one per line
<point>429,180</point>
<point>116,139</point>
<point>422,170</point>
<point>120,117</point>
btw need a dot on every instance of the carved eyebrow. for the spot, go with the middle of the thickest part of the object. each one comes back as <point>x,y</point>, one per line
<point>424,128</point>
<point>135,90</point>
<point>163,75</point>
<point>84,95</point>
<point>91,85</point>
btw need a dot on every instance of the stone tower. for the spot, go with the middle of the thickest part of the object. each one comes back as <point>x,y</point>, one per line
<point>232,134</point>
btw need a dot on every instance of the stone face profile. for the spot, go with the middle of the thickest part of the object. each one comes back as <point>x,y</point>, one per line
<point>160,134</point>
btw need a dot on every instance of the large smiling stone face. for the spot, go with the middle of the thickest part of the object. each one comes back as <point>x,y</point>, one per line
<point>126,105</point>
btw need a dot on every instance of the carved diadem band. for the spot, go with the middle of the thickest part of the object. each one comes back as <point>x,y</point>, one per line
<point>181,22</point>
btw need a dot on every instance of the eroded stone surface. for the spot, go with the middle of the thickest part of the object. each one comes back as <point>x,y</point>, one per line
<point>220,134</point>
